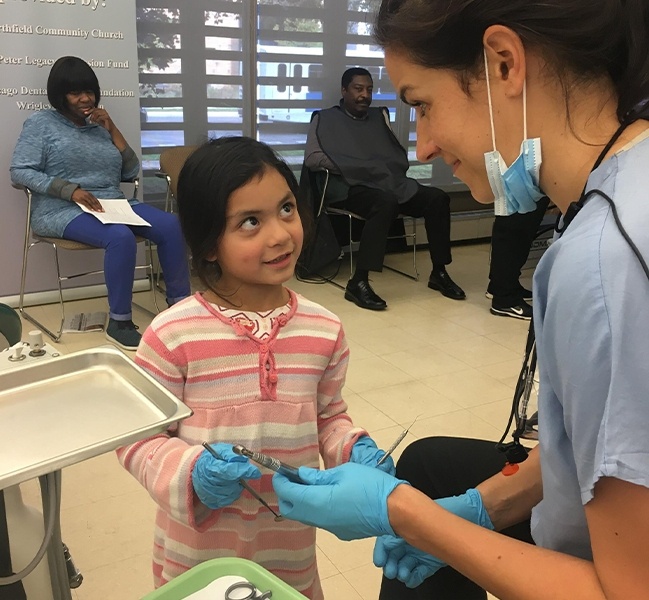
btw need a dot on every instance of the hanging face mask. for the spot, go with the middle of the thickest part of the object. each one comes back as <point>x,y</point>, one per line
<point>515,188</point>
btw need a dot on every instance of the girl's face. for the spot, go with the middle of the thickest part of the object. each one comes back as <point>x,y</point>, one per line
<point>450,124</point>
<point>262,238</point>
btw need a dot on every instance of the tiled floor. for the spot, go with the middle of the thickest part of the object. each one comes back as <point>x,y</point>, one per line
<point>451,364</point>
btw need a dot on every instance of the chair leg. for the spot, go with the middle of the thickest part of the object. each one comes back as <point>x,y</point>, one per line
<point>150,272</point>
<point>351,249</point>
<point>154,281</point>
<point>332,281</point>
<point>414,248</point>
<point>23,275</point>
<point>413,235</point>
<point>55,337</point>
<point>169,208</point>
<point>58,280</point>
<point>158,272</point>
<point>404,273</point>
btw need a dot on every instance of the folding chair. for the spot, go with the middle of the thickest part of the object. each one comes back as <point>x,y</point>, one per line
<point>171,163</point>
<point>63,244</point>
<point>323,183</point>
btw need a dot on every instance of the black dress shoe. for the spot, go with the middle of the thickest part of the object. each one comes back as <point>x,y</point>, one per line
<point>362,294</point>
<point>442,282</point>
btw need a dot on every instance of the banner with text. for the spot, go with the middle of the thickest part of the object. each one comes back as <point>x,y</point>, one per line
<point>33,34</point>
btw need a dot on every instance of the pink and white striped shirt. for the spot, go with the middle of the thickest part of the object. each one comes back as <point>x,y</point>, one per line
<point>281,396</point>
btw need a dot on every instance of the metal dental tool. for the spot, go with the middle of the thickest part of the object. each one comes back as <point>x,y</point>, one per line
<point>269,462</point>
<point>244,485</point>
<point>396,442</point>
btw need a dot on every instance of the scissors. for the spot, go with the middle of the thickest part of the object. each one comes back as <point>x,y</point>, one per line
<point>243,587</point>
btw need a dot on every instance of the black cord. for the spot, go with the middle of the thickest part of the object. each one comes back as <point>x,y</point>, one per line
<point>623,232</point>
<point>575,207</point>
<point>514,451</point>
<point>317,278</point>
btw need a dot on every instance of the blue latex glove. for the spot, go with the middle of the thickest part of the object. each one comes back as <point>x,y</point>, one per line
<point>215,481</point>
<point>366,452</point>
<point>410,565</point>
<point>349,500</point>
<point>469,506</point>
<point>402,561</point>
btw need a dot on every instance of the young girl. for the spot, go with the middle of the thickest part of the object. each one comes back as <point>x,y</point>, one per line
<point>258,364</point>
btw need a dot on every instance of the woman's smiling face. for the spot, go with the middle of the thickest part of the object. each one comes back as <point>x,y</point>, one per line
<point>451,124</point>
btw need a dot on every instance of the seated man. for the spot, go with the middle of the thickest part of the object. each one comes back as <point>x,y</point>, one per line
<point>357,142</point>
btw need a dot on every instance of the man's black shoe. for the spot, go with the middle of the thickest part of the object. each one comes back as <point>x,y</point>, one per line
<point>442,282</point>
<point>362,294</point>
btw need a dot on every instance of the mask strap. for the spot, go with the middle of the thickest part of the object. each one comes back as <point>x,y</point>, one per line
<point>524,109</point>
<point>491,110</point>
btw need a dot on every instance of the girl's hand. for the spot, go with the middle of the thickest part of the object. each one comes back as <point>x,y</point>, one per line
<point>216,481</point>
<point>366,452</point>
<point>86,199</point>
<point>101,117</point>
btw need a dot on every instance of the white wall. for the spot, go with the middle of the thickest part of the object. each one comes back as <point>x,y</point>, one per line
<point>33,34</point>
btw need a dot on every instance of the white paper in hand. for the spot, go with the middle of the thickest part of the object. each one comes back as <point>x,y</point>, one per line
<point>116,210</point>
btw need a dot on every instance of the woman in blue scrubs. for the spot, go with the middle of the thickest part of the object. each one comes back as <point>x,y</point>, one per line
<point>523,99</point>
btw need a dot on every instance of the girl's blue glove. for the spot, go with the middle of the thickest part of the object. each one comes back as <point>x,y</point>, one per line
<point>366,452</point>
<point>411,566</point>
<point>215,481</point>
<point>349,500</point>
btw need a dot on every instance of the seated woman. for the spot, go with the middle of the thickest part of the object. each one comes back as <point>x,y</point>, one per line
<point>71,156</point>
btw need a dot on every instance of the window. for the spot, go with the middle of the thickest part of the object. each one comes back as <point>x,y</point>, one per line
<point>237,67</point>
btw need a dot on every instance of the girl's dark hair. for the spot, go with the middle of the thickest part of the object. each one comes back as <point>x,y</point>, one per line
<point>582,40</point>
<point>207,180</point>
<point>70,74</point>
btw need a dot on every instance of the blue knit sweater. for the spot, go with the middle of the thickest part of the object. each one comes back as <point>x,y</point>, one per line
<point>53,157</point>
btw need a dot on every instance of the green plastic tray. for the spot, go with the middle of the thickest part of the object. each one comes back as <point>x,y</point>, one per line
<point>202,575</point>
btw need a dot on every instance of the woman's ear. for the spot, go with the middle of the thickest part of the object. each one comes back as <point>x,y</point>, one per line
<point>505,59</point>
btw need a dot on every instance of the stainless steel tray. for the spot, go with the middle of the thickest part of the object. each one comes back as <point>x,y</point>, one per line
<point>65,410</point>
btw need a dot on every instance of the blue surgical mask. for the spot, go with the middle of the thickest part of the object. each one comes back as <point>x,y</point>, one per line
<point>515,188</point>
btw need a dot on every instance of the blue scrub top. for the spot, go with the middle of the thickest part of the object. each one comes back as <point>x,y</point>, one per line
<point>591,310</point>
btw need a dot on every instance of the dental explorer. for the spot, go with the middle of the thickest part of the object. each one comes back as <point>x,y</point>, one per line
<point>269,462</point>
<point>396,442</point>
<point>244,485</point>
